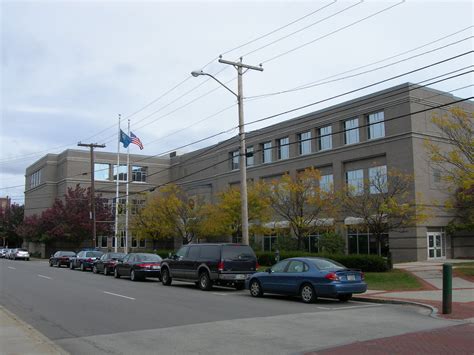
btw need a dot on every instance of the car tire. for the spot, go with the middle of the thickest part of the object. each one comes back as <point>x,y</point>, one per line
<point>94,269</point>
<point>307,293</point>
<point>345,297</point>
<point>82,267</point>
<point>205,283</point>
<point>255,289</point>
<point>106,270</point>
<point>50,264</point>
<point>166,277</point>
<point>116,274</point>
<point>239,286</point>
<point>133,277</point>
<point>27,259</point>
<point>71,266</point>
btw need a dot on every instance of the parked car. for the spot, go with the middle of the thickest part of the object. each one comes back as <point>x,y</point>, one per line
<point>309,278</point>
<point>139,266</point>
<point>211,264</point>
<point>61,257</point>
<point>106,263</point>
<point>84,259</point>
<point>21,254</point>
<point>10,253</point>
<point>3,252</point>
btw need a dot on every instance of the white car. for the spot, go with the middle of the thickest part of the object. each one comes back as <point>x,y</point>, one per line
<point>21,254</point>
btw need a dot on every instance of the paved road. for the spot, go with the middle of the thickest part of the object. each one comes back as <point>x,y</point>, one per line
<point>91,314</point>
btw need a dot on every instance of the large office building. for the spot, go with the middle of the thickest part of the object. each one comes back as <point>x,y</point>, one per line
<point>349,143</point>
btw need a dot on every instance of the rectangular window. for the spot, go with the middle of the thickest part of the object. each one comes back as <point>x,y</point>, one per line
<point>138,243</point>
<point>142,243</point>
<point>121,171</point>
<point>103,242</point>
<point>436,175</point>
<point>283,148</point>
<point>326,183</point>
<point>355,181</point>
<point>137,205</point>
<point>35,178</point>
<point>376,125</point>
<point>325,138</point>
<point>101,171</point>
<point>378,179</point>
<point>304,143</point>
<point>351,128</point>
<point>234,162</point>
<point>267,152</point>
<point>121,205</point>
<point>139,173</point>
<point>249,156</point>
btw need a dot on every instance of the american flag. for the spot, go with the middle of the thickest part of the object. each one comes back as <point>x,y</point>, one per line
<point>136,140</point>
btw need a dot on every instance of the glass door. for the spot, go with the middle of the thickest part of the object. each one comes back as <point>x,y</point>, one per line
<point>435,246</point>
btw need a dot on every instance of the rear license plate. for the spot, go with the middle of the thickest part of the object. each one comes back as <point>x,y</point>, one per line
<point>240,277</point>
<point>351,277</point>
<point>155,267</point>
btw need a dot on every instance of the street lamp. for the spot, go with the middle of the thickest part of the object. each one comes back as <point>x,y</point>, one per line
<point>243,153</point>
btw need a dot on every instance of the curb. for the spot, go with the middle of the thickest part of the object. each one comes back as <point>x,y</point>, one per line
<point>33,332</point>
<point>434,311</point>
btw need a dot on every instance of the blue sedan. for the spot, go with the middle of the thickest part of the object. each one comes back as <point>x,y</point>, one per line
<point>308,278</point>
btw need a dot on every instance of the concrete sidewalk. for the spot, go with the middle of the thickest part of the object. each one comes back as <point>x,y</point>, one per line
<point>17,337</point>
<point>430,274</point>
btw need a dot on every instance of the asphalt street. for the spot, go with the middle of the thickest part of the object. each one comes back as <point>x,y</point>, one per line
<point>93,314</point>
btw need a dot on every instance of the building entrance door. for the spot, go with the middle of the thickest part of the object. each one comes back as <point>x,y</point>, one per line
<point>436,245</point>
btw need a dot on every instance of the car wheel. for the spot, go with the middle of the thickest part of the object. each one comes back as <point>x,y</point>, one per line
<point>116,274</point>
<point>165,277</point>
<point>82,267</point>
<point>239,286</point>
<point>71,266</point>
<point>50,264</point>
<point>307,293</point>
<point>345,298</point>
<point>94,269</point>
<point>255,289</point>
<point>106,271</point>
<point>133,277</point>
<point>204,281</point>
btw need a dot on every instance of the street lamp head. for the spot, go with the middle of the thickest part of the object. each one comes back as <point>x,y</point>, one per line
<point>196,73</point>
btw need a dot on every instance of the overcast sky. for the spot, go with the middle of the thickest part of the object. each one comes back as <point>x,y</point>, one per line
<point>70,67</point>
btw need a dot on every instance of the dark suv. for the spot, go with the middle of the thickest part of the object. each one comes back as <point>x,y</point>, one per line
<point>210,264</point>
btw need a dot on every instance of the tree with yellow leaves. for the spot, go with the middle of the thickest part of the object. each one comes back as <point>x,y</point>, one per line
<point>456,162</point>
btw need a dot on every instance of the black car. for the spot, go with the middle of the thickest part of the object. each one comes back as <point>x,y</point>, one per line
<point>85,259</point>
<point>139,266</point>
<point>61,257</point>
<point>211,264</point>
<point>106,263</point>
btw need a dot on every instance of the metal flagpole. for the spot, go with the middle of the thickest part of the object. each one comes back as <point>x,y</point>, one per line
<point>126,192</point>
<point>117,187</point>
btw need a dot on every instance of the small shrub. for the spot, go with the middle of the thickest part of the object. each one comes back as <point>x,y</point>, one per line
<point>332,243</point>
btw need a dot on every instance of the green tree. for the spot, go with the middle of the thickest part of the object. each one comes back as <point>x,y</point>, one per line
<point>300,201</point>
<point>385,203</point>
<point>169,213</point>
<point>454,158</point>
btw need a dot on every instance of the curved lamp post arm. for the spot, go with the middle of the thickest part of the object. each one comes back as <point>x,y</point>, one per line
<point>197,73</point>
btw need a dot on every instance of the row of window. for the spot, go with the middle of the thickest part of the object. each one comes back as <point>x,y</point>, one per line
<point>102,242</point>
<point>135,205</point>
<point>102,172</point>
<point>375,129</point>
<point>35,178</point>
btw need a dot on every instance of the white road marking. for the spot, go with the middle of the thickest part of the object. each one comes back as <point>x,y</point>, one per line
<point>11,267</point>
<point>220,294</point>
<point>115,294</point>
<point>368,305</point>
<point>45,277</point>
<point>323,307</point>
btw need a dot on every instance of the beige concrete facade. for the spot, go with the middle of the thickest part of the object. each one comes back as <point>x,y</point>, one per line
<point>396,143</point>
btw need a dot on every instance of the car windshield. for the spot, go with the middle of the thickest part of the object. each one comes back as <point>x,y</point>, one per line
<point>94,254</point>
<point>326,264</point>
<point>148,257</point>
<point>67,253</point>
<point>116,255</point>
<point>237,252</point>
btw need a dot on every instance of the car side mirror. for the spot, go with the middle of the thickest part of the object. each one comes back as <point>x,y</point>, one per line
<point>269,270</point>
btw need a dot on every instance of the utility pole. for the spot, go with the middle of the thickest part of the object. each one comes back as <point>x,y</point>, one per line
<point>92,212</point>
<point>243,151</point>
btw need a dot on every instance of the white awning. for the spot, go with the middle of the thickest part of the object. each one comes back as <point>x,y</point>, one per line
<point>322,222</point>
<point>277,224</point>
<point>350,221</point>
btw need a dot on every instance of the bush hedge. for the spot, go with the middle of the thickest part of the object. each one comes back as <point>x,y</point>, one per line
<point>366,263</point>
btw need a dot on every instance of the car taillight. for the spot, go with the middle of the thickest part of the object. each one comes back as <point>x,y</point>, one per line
<point>332,276</point>
<point>362,276</point>
<point>89,260</point>
<point>257,265</point>
<point>148,266</point>
<point>220,266</point>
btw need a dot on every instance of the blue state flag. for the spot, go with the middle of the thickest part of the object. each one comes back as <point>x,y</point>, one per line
<point>124,139</point>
